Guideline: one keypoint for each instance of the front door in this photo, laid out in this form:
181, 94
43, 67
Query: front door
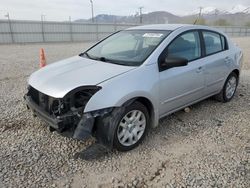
183, 85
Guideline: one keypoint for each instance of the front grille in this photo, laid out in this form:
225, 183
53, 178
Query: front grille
49, 104
40, 99
34, 95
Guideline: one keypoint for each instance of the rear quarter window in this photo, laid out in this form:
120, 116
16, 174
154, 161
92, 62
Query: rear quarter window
224, 43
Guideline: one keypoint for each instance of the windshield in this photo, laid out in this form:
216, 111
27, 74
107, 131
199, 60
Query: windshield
130, 47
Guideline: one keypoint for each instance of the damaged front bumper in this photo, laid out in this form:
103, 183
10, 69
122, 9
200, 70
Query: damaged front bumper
74, 123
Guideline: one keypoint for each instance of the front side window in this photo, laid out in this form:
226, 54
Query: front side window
185, 46
130, 47
213, 43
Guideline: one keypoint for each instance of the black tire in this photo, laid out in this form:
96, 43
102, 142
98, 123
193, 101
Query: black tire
134, 106
108, 134
222, 97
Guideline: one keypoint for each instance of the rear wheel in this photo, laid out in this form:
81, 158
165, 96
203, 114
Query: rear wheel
229, 89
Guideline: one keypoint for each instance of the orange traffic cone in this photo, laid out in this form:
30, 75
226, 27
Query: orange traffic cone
42, 58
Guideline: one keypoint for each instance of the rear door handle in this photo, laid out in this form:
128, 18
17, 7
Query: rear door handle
227, 60
199, 69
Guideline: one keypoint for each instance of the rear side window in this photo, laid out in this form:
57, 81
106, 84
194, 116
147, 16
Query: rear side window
214, 42
186, 46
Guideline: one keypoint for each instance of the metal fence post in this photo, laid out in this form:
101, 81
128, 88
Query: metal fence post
42, 28
97, 32
115, 27
10, 28
11, 32
71, 32
70, 29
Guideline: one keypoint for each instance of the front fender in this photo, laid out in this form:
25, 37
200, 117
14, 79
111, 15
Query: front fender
140, 82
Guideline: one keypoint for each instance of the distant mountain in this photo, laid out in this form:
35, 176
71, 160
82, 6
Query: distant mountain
213, 10
240, 9
209, 11
152, 17
237, 15
160, 17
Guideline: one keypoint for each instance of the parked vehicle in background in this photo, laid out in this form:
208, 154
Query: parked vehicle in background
120, 87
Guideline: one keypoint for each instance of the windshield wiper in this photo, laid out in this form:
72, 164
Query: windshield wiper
86, 55
117, 62
103, 59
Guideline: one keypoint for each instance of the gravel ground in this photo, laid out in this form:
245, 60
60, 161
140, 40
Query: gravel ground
207, 147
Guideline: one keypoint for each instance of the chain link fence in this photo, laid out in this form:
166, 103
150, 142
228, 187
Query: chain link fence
13, 31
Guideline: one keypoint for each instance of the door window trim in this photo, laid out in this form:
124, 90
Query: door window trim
161, 56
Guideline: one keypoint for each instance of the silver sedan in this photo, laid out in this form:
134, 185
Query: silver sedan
120, 87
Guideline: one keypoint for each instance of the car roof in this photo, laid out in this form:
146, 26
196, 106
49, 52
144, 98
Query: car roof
172, 27
169, 27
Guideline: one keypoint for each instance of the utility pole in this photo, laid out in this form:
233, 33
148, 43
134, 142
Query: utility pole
199, 17
10, 27
43, 17
200, 13
140, 11
92, 10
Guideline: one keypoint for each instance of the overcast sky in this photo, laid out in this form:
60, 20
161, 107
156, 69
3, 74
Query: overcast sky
61, 9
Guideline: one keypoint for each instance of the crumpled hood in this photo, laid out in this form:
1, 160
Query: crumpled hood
59, 78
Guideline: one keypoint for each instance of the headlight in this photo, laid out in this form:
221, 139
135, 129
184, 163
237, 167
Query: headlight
80, 96
77, 98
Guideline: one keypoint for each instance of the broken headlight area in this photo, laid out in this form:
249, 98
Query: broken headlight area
64, 114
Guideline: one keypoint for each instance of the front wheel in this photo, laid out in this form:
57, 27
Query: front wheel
132, 127
229, 89
124, 128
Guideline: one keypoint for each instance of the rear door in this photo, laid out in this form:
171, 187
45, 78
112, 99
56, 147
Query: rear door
182, 85
217, 61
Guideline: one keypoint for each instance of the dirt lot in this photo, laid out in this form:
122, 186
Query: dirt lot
208, 147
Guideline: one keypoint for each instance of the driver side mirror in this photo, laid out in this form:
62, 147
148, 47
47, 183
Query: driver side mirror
171, 62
